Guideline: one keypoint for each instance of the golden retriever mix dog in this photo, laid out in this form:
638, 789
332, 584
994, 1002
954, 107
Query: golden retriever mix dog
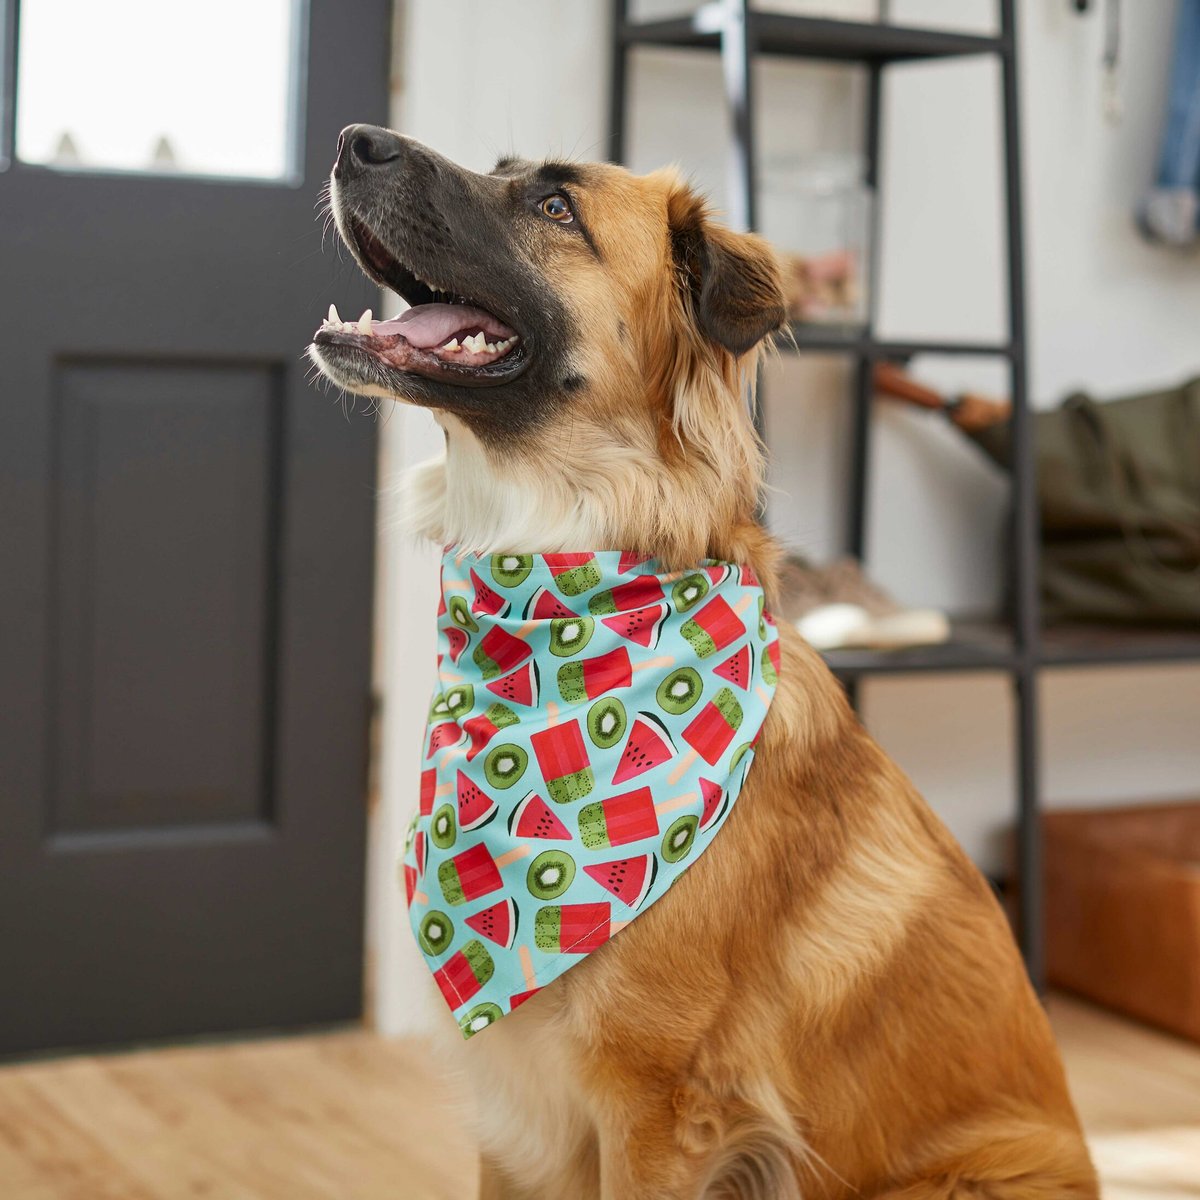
857, 1023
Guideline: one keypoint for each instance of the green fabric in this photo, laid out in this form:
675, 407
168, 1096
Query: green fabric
1119, 496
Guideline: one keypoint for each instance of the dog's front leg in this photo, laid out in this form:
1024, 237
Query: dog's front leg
643, 1157
494, 1184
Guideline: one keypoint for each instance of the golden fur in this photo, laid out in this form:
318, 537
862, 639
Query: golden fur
829, 1002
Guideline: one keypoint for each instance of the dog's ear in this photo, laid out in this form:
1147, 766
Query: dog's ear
735, 285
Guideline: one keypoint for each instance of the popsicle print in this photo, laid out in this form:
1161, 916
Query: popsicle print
563, 760
592, 677
431, 790
715, 625
574, 928
411, 893
465, 973
630, 817
484, 726
710, 733
474, 872
573, 573
637, 593
500, 651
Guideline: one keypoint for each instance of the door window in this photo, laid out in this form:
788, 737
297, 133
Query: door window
160, 87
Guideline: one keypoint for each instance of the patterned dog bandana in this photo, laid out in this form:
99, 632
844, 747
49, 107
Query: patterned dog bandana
593, 725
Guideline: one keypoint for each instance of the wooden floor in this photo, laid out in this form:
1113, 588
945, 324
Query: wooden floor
350, 1117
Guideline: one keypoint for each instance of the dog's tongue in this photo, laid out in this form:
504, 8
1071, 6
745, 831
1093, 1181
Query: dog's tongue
428, 326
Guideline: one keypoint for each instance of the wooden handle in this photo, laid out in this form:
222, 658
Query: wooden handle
891, 380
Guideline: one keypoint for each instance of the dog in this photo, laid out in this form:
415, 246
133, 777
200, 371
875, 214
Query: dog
860, 1023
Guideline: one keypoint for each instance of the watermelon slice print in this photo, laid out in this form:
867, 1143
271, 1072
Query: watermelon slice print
719, 573
516, 1001
543, 605
716, 803
629, 879
522, 686
498, 923
475, 807
532, 818
448, 733
748, 578
739, 669
641, 592
648, 746
627, 562
642, 625
457, 640
486, 600
428, 791
421, 850
410, 883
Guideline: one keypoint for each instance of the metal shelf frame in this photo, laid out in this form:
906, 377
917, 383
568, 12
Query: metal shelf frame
740, 34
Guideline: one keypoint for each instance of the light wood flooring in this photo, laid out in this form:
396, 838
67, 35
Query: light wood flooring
348, 1116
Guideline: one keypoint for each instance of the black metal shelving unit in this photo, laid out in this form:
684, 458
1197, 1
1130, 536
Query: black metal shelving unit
739, 34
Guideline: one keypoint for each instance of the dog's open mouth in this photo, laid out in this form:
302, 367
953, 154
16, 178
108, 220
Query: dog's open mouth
443, 335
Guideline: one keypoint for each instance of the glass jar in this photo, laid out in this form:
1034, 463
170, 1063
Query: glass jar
816, 209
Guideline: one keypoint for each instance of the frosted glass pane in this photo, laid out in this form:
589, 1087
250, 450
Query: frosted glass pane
158, 86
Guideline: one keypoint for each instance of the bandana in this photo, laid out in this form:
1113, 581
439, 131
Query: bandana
592, 727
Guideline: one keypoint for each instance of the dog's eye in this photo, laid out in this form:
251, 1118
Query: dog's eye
557, 208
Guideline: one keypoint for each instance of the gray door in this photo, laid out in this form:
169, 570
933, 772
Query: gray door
185, 526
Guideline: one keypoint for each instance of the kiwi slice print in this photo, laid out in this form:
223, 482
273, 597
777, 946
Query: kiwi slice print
606, 722
480, 1017
460, 614
680, 690
443, 828
689, 591
680, 838
505, 765
569, 635
458, 700
510, 570
550, 874
436, 932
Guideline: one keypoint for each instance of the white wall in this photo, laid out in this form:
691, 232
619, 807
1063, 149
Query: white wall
1107, 312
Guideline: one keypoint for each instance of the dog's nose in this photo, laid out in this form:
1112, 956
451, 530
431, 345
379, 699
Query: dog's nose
363, 147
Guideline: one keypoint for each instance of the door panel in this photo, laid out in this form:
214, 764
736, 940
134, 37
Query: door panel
166, 489
186, 536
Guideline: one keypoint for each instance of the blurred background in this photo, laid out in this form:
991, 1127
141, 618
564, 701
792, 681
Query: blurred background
985, 457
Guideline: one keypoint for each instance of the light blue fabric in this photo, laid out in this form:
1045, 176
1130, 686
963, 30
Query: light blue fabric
1171, 211
592, 727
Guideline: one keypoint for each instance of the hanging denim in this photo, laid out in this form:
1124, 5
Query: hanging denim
1170, 213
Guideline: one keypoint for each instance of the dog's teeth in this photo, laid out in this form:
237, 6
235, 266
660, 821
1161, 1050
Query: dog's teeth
491, 347
333, 318
364, 323
452, 344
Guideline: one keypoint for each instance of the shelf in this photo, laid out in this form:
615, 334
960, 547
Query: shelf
813, 37
1111, 646
808, 338
988, 646
973, 646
